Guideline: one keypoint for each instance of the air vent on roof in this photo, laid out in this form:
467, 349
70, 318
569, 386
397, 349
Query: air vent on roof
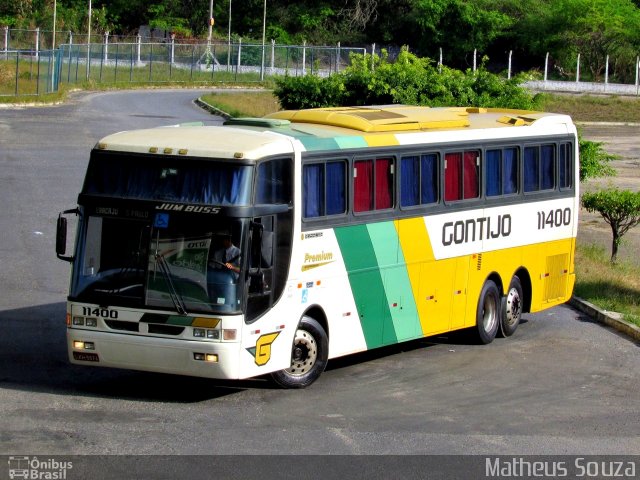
257, 122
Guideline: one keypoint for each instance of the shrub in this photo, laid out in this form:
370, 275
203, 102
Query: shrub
409, 80
619, 208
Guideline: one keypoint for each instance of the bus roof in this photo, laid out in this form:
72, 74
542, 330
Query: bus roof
329, 129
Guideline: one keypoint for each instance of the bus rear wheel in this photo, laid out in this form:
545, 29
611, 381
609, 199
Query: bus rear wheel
512, 308
308, 356
488, 313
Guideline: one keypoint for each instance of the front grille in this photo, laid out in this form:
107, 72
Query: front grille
121, 325
165, 329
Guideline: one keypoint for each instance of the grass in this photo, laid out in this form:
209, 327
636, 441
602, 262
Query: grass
582, 108
244, 104
29, 79
615, 288
591, 108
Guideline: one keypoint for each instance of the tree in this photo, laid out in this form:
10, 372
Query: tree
594, 161
619, 208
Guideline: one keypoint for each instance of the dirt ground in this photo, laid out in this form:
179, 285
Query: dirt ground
622, 140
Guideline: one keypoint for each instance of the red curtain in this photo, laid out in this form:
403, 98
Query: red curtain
471, 189
363, 186
384, 183
452, 174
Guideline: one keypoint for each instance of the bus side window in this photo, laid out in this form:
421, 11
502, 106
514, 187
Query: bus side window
565, 174
274, 182
501, 170
373, 185
548, 174
539, 168
418, 179
324, 189
461, 179
363, 186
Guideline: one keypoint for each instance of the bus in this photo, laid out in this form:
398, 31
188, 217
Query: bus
271, 245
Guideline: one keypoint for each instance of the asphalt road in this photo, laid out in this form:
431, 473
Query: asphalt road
561, 385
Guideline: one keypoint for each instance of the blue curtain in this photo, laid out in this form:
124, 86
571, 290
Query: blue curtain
510, 171
429, 178
336, 188
313, 190
531, 171
565, 165
409, 186
548, 164
214, 184
493, 177
274, 182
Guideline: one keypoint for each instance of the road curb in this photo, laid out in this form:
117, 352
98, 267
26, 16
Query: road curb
210, 108
604, 317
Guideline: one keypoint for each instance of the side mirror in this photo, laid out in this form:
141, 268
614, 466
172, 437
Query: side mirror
61, 236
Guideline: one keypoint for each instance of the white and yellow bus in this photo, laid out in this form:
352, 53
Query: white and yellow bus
272, 245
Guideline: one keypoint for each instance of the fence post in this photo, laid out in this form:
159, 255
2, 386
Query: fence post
173, 49
138, 48
304, 57
373, 53
546, 66
606, 74
338, 58
637, 72
475, 54
273, 55
6, 42
17, 71
440, 62
239, 56
106, 46
578, 70
37, 42
509, 71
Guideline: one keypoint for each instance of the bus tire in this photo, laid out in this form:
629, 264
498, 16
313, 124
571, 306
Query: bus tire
512, 308
488, 313
308, 356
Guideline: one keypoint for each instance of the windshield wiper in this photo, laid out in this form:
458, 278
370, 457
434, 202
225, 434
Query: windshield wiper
176, 298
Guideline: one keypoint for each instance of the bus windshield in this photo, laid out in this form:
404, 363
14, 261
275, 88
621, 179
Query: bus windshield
180, 264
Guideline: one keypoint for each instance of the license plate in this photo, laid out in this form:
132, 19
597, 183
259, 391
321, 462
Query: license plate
86, 357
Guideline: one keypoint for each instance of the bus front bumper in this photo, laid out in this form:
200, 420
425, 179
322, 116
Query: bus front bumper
153, 354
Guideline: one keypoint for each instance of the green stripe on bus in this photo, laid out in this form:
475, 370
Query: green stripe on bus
367, 285
351, 142
179, 320
397, 286
315, 143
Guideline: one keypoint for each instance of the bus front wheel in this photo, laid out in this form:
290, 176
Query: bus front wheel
512, 308
488, 313
308, 356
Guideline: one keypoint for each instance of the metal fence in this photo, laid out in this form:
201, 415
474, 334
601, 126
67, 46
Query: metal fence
25, 73
174, 62
34, 72
31, 70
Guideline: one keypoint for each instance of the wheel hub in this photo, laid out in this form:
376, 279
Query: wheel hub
304, 353
514, 307
300, 352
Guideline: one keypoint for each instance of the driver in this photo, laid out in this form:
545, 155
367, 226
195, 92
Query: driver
228, 255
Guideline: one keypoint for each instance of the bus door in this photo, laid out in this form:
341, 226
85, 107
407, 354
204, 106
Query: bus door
269, 257
459, 292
